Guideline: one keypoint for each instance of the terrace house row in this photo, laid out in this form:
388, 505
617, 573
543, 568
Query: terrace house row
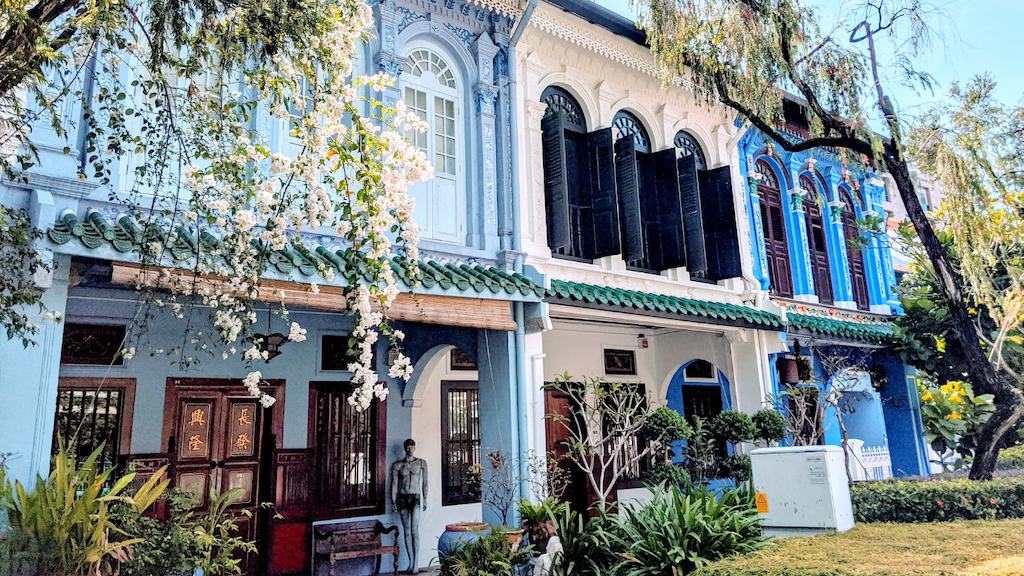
583, 219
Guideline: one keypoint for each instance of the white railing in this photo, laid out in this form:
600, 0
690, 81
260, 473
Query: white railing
869, 462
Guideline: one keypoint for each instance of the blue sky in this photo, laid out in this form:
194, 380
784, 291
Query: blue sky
991, 38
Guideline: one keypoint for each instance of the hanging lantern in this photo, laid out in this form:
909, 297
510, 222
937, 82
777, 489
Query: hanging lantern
270, 343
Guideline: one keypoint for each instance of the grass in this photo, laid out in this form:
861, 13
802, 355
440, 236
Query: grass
963, 548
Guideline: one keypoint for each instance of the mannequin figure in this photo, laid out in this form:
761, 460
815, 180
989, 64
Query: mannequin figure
409, 498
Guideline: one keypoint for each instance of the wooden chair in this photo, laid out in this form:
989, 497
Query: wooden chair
347, 540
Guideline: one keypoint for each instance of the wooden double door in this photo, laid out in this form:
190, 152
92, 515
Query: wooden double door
220, 438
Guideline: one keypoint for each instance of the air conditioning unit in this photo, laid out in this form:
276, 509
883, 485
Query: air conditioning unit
801, 490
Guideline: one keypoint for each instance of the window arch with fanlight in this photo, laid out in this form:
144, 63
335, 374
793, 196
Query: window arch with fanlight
629, 125
689, 146
560, 101
431, 89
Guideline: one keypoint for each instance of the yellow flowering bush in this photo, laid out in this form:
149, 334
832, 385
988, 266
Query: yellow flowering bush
952, 411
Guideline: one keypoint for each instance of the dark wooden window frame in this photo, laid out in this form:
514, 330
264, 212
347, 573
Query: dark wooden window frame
379, 410
700, 362
114, 359
620, 362
124, 427
448, 497
854, 254
776, 249
814, 219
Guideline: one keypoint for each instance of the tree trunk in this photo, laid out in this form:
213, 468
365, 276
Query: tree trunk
984, 376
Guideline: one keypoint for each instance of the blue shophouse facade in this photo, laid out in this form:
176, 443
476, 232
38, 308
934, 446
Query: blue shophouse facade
836, 284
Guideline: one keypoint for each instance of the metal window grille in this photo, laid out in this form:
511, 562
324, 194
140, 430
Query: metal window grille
85, 419
346, 455
460, 420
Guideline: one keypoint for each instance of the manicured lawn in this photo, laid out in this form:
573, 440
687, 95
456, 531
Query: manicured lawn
962, 548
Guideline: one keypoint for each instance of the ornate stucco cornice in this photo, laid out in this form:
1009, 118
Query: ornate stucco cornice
548, 20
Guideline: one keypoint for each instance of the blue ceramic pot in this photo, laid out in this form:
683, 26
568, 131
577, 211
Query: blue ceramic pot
463, 533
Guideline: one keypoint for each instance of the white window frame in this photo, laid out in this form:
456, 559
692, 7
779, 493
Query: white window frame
427, 213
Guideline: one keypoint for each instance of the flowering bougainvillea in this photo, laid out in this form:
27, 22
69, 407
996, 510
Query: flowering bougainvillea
183, 130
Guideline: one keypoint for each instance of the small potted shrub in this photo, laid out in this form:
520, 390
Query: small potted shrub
491, 555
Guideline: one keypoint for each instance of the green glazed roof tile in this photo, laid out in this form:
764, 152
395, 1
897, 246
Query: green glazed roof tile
662, 303
876, 331
126, 236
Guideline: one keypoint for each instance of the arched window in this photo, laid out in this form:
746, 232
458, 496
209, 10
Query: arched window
579, 181
688, 144
773, 223
430, 89
629, 125
858, 276
816, 240
560, 100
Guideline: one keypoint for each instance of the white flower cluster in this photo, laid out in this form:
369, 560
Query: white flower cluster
342, 170
252, 383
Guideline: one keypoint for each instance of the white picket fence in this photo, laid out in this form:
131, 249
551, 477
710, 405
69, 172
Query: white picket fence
869, 462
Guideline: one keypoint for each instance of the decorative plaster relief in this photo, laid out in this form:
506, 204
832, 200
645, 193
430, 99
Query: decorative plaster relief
485, 99
489, 169
408, 17
556, 26
835, 210
796, 199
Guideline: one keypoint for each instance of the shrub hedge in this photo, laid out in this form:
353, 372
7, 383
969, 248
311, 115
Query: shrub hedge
901, 501
1011, 458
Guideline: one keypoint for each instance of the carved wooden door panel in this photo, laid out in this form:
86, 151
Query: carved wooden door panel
215, 431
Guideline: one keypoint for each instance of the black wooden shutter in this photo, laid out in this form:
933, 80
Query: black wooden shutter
556, 182
604, 239
722, 241
666, 245
628, 187
693, 225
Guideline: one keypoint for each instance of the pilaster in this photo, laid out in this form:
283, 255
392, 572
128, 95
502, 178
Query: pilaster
757, 230
28, 384
485, 95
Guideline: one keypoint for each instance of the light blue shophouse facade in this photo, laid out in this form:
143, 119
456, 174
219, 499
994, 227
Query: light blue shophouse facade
451, 59
793, 197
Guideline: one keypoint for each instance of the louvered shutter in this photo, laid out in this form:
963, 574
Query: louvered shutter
693, 225
628, 189
666, 245
604, 206
858, 277
556, 183
721, 239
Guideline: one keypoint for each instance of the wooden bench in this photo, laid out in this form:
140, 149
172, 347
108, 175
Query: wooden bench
347, 540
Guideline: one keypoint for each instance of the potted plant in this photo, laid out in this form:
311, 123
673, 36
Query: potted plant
491, 555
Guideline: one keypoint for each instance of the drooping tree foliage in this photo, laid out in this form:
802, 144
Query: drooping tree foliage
752, 55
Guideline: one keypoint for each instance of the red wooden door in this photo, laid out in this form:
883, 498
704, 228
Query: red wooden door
557, 435
221, 438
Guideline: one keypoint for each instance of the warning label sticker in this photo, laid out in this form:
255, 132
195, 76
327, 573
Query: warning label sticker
762, 502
